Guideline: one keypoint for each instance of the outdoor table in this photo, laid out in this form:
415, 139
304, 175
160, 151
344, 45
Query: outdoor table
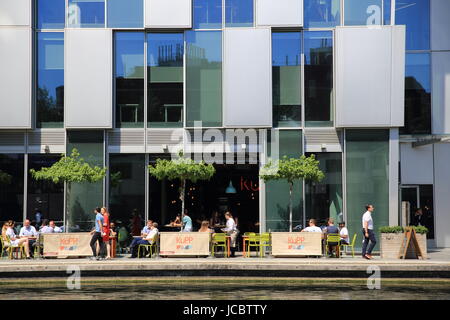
296, 244
113, 246
244, 239
228, 245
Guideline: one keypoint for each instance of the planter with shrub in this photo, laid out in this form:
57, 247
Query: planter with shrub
392, 240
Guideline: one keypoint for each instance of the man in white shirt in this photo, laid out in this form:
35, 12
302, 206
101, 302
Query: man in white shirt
54, 227
368, 234
28, 231
149, 239
312, 227
45, 228
343, 232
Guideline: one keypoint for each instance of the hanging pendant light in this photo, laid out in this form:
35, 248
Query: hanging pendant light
230, 188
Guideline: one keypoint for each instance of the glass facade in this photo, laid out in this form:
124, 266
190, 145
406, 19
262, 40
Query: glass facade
238, 13
11, 187
50, 14
207, 14
286, 79
277, 192
86, 14
165, 79
367, 173
204, 78
417, 94
324, 199
129, 77
46, 196
83, 198
126, 186
125, 13
318, 78
363, 12
322, 13
415, 14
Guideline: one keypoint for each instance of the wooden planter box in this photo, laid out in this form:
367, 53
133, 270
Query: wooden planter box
392, 242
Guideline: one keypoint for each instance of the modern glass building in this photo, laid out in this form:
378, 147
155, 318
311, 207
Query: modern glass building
362, 84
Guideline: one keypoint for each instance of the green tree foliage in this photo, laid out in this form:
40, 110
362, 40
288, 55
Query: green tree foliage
5, 178
183, 169
292, 169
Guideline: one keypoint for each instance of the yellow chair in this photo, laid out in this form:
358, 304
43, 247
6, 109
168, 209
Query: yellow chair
245, 242
351, 245
219, 240
254, 241
38, 247
265, 242
10, 247
4, 247
151, 247
332, 238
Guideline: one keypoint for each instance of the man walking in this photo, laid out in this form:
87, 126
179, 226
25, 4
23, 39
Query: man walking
97, 236
368, 233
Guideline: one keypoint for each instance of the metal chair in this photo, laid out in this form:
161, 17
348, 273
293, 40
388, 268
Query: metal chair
254, 241
351, 245
333, 240
151, 247
265, 242
38, 247
219, 240
11, 247
4, 247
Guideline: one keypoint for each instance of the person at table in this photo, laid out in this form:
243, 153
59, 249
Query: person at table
106, 232
113, 228
331, 229
8, 231
205, 227
186, 222
37, 217
30, 232
312, 227
343, 232
148, 240
145, 231
232, 231
55, 228
136, 223
215, 219
97, 236
45, 228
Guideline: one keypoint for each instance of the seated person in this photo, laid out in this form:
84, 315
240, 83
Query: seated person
205, 227
8, 231
149, 239
186, 222
45, 228
343, 231
28, 231
145, 231
54, 226
312, 227
331, 229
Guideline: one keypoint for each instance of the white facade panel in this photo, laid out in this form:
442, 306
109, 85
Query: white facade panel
15, 12
15, 80
416, 164
440, 24
441, 194
168, 13
247, 78
440, 62
366, 77
88, 78
279, 13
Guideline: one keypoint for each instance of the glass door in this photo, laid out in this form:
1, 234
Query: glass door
410, 201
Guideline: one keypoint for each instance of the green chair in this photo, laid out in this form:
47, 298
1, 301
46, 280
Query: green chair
38, 247
122, 239
219, 240
4, 247
153, 247
19, 248
332, 238
254, 241
265, 242
351, 245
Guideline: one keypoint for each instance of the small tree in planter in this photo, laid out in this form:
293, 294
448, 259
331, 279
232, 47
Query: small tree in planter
183, 169
70, 169
306, 168
392, 238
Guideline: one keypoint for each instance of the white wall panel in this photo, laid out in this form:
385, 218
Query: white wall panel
416, 164
369, 87
168, 13
15, 79
440, 62
247, 87
88, 78
441, 194
279, 13
440, 24
15, 12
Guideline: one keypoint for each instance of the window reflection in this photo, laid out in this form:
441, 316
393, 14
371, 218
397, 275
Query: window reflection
239, 13
125, 13
363, 12
86, 14
50, 14
165, 79
50, 80
129, 75
415, 14
207, 14
286, 79
11, 187
321, 13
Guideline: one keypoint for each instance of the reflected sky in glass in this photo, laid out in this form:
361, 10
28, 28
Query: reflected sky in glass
415, 14
129, 53
207, 14
86, 13
125, 13
50, 14
418, 67
321, 13
239, 13
363, 12
164, 49
286, 49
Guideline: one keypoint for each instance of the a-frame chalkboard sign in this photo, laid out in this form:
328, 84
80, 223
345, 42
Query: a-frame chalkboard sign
410, 239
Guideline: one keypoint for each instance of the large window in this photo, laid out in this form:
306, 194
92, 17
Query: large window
165, 79
286, 79
238, 13
318, 78
207, 14
417, 94
415, 14
11, 187
322, 13
204, 78
363, 12
50, 80
367, 172
86, 14
125, 13
126, 186
129, 76
50, 14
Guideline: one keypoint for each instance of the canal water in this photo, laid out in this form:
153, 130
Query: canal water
237, 289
